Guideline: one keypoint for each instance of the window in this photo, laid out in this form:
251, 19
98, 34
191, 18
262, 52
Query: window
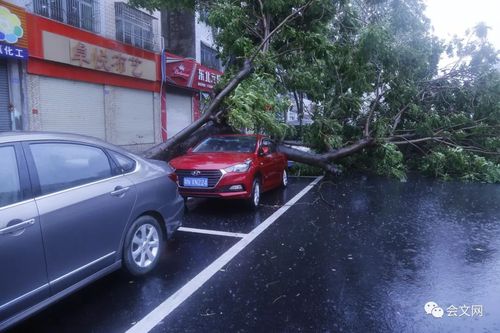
204, 14
205, 100
83, 14
224, 144
125, 164
209, 57
10, 187
134, 27
63, 165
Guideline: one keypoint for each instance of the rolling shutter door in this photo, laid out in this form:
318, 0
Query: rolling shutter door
5, 123
71, 106
179, 113
133, 121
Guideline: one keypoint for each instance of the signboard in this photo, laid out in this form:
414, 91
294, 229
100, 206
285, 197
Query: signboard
190, 74
10, 51
13, 39
77, 53
207, 78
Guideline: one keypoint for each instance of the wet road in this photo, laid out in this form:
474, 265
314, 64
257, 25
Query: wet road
353, 255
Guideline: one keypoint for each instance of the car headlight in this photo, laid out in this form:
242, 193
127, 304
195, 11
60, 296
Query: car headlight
240, 167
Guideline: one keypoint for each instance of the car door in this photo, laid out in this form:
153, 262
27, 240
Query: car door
277, 164
23, 274
267, 165
84, 208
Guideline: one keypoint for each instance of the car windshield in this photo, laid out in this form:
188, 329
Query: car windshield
236, 144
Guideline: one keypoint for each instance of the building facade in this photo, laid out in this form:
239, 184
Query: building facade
192, 67
188, 86
95, 68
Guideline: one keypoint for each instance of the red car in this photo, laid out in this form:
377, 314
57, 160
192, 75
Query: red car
231, 167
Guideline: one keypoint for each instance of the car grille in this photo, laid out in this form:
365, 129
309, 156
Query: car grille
213, 176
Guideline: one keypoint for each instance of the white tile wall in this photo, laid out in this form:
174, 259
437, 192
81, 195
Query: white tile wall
203, 34
108, 26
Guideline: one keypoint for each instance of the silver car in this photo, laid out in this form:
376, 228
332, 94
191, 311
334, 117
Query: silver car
72, 209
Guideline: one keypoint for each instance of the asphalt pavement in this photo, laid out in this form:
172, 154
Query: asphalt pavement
359, 254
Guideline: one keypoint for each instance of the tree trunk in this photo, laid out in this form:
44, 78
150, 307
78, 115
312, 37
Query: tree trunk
210, 128
168, 147
325, 161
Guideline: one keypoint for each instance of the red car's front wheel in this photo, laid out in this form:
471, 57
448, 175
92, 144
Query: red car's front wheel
254, 199
284, 178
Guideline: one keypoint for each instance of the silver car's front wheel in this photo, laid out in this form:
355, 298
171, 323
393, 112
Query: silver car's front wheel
143, 246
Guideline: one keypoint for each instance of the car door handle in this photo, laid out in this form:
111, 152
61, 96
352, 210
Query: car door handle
17, 227
119, 190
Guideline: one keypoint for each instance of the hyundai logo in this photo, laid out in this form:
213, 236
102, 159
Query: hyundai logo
196, 173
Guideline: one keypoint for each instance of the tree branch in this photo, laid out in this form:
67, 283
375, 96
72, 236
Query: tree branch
275, 30
265, 25
406, 141
373, 106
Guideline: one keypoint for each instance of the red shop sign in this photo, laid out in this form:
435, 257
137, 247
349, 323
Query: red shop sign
190, 74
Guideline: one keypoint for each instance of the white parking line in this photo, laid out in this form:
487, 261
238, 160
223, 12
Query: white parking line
170, 304
212, 232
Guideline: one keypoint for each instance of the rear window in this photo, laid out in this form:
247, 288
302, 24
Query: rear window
233, 144
10, 187
125, 164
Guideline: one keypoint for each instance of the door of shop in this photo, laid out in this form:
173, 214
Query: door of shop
179, 112
5, 122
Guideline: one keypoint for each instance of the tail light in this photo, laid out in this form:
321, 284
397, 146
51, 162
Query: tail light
173, 176
171, 173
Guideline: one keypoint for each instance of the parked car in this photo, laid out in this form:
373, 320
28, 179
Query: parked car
73, 209
231, 167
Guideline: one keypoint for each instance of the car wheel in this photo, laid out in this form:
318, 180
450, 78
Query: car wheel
143, 246
254, 200
284, 178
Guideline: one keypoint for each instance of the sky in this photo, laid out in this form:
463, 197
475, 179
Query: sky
453, 17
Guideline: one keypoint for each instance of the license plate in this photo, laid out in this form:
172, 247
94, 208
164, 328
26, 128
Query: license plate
195, 182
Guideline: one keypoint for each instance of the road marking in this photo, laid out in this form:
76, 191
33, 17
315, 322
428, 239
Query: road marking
212, 232
170, 304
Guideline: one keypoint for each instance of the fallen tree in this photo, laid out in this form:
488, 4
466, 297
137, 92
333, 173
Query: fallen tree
372, 69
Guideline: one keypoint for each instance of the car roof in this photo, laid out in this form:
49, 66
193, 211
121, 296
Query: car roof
7, 137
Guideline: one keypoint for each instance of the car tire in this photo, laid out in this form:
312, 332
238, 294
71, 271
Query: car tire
254, 200
143, 246
284, 178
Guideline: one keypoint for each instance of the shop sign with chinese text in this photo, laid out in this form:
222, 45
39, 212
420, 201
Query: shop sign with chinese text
190, 74
77, 53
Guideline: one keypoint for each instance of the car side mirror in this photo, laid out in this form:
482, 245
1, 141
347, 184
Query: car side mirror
263, 151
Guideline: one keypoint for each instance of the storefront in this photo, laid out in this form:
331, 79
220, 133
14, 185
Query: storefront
83, 83
13, 56
188, 85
